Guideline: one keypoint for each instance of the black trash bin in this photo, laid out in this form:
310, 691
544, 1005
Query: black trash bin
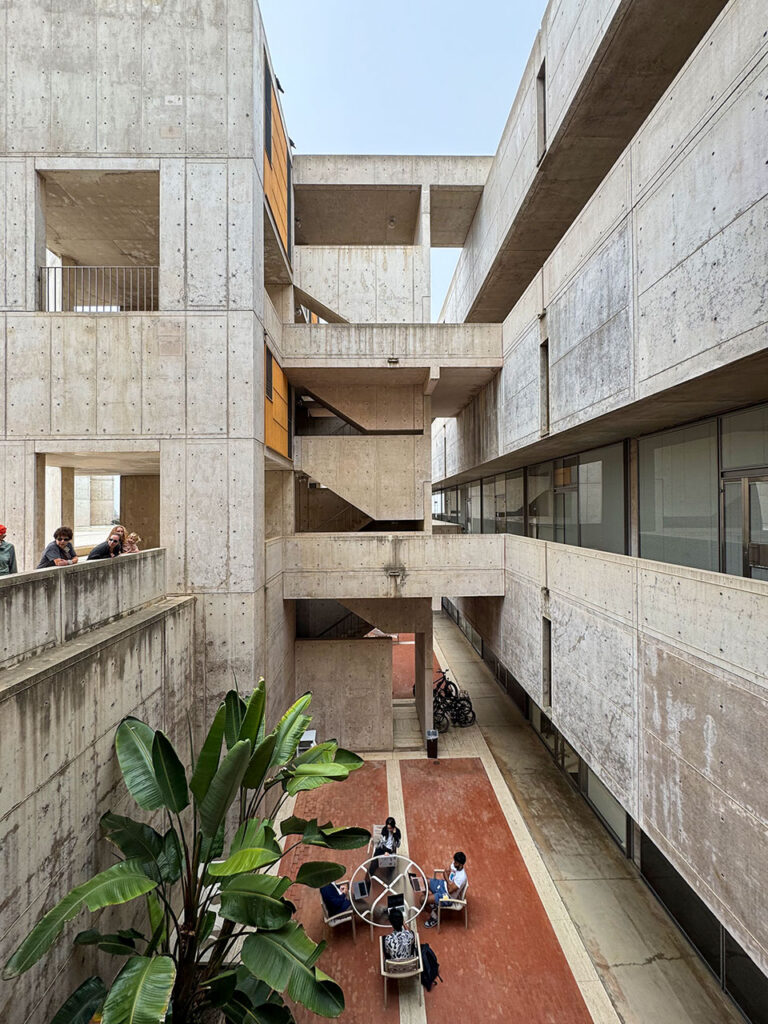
431, 742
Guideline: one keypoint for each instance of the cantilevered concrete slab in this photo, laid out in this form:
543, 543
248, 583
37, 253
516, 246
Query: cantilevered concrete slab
377, 565
453, 361
375, 200
639, 49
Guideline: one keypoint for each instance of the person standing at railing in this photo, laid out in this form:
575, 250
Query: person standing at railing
7, 555
131, 544
60, 551
109, 548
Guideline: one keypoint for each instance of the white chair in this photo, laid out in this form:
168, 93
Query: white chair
342, 917
408, 968
456, 902
375, 839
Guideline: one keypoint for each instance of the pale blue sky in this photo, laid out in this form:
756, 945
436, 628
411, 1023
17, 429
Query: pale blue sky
425, 76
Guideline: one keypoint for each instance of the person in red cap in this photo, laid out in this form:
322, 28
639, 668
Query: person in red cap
7, 555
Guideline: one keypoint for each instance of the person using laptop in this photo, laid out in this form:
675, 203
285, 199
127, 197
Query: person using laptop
447, 887
398, 945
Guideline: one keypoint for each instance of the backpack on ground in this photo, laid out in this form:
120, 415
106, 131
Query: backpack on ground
431, 973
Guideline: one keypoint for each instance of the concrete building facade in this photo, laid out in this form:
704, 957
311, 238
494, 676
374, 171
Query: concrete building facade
574, 459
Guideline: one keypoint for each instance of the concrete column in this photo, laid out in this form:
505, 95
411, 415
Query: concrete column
426, 454
67, 511
38, 526
423, 267
424, 676
633, 497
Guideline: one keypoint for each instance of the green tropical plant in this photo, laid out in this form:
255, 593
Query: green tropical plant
219, 938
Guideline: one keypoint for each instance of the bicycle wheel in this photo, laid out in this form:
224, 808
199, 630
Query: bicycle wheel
441, 721
463, 713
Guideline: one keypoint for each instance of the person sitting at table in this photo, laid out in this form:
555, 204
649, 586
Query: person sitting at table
335, 897
390, 839
398, 945
449, 886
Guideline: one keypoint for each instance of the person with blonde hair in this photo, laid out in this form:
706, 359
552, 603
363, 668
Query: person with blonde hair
131, 544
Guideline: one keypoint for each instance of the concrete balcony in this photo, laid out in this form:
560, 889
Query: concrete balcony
374, 565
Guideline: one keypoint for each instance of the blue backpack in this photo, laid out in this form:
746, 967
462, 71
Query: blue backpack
430, 975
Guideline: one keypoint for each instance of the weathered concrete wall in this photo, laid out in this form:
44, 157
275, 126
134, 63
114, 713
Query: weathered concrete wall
659, 682
140, 507
367, 284
633, 306
50, 607
373, 565
351, 682
382, 476
60, 775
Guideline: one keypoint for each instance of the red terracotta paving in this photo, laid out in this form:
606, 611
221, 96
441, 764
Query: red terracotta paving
509, 965
360, 800
404, 666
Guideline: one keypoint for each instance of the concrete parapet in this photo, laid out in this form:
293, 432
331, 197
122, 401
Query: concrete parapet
372, 565
49, 607
377, 344
60, 774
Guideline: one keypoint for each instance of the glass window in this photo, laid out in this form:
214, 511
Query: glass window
463, 508
745, 982
566, 524
489, 505
602, 511
452, 505
541, 502
500, 496
475, 523
437, 504
608, 807
514, 502
694, 917
679, 496
745, 438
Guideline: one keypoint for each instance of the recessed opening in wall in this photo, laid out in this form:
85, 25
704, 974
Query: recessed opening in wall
546, 664
93, 492
101, 231
541, 112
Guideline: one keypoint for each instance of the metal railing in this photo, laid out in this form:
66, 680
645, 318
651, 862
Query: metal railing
98, 289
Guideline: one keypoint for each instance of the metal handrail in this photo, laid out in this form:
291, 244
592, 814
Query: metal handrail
79, 289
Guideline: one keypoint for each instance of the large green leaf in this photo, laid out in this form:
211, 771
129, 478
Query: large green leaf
243, 860
351, 838
133, 838
120, 883
240, 1010
325, 835
224, 787
256, 833
235, 709
169, 859
84, 1002
319, 872
208, 761
312, 776
285, 959
348, 758
256, 900
133, 743
251, 726
141, 992
169, 772
261, 759
321, 752
114, 944
212, 847
290, 728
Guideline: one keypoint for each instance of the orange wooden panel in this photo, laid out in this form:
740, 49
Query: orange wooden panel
276, 174
276, 411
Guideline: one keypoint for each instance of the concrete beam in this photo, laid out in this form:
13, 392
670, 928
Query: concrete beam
372, 565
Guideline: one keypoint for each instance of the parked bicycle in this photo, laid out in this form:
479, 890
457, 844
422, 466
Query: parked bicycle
450, 705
